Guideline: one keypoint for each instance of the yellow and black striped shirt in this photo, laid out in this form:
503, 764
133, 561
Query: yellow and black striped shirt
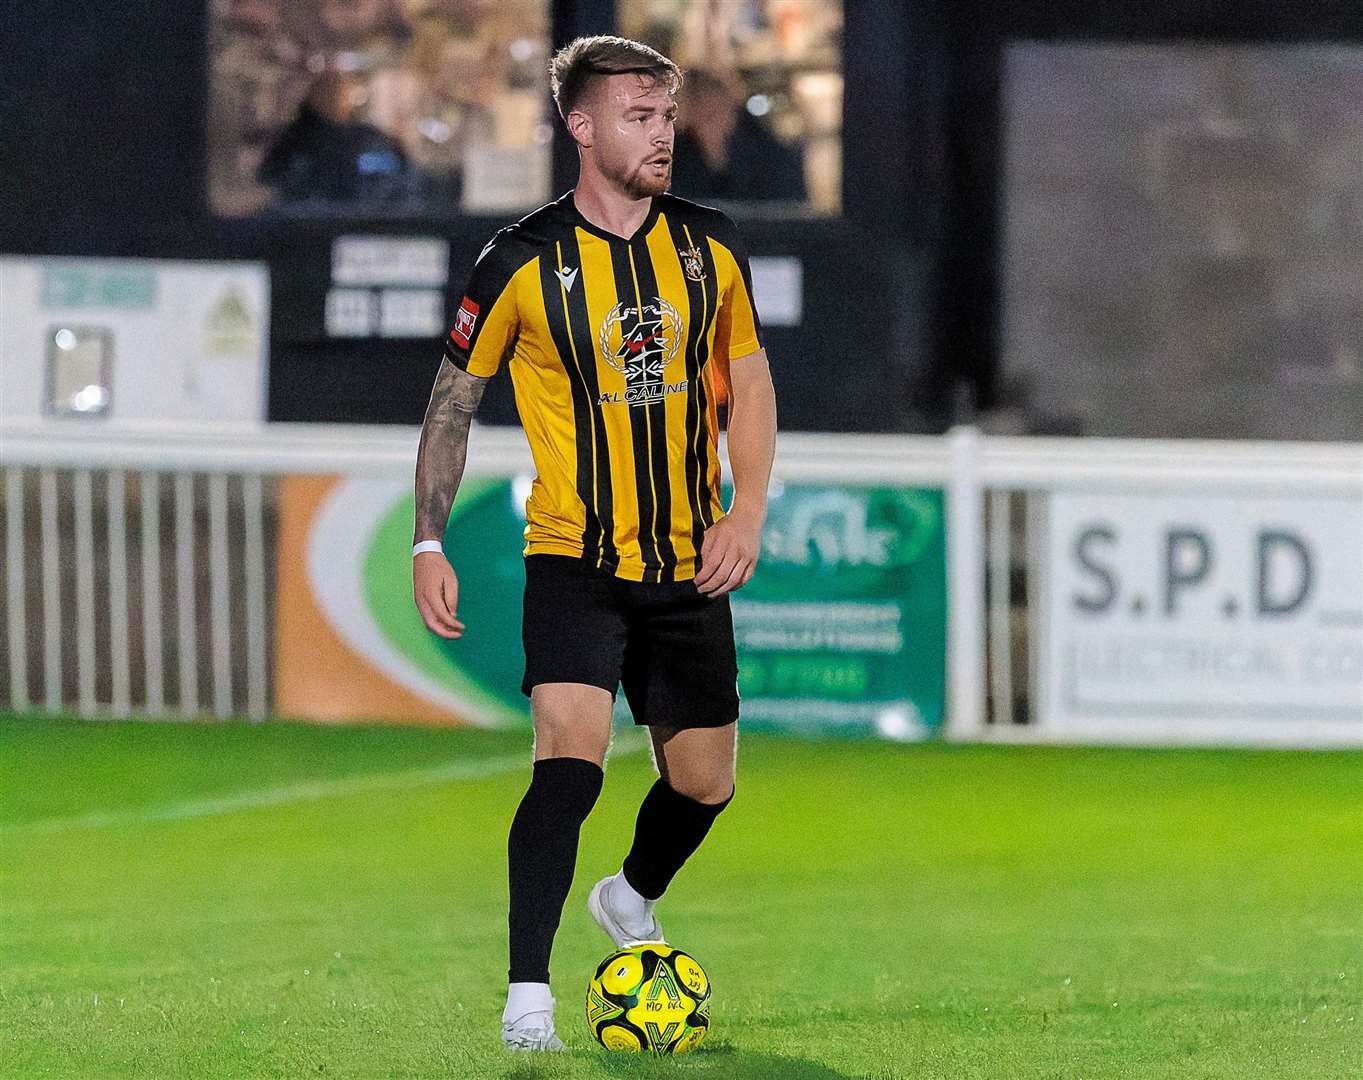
619, 352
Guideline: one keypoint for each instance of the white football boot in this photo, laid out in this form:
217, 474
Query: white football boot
625, 916
533, 1031
528, 1019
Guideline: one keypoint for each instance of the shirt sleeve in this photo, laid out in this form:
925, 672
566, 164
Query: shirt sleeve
487, 319
738, 330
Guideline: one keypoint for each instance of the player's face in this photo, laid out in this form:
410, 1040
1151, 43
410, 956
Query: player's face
633, 125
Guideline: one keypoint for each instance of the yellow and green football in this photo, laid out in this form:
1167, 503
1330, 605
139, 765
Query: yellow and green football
649, 997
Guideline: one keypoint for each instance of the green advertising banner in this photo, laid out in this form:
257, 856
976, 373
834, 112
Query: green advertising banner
843, 627
841, 631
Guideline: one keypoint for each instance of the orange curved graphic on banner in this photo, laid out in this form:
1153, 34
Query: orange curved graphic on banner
318, 676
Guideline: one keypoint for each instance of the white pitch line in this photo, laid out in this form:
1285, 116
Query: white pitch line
309, 791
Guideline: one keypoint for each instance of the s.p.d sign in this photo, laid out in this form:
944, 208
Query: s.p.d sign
1204, 618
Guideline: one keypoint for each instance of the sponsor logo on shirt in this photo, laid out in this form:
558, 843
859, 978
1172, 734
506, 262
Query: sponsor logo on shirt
639, 342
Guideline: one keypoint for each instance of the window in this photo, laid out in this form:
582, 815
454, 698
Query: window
761, 107
378, 105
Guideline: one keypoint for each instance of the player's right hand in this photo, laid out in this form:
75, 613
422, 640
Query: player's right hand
436, 591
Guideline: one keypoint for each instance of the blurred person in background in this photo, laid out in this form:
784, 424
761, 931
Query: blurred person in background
623, 313
326, 153
724, 152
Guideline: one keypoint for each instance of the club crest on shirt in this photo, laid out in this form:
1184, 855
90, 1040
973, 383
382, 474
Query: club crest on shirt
638, 342
692, 263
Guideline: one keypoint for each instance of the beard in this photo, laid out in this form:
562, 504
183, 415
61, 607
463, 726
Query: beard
643, 182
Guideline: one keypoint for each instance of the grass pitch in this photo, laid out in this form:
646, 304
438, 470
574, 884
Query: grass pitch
285, 901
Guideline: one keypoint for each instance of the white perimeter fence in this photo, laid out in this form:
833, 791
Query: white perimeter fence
139, 566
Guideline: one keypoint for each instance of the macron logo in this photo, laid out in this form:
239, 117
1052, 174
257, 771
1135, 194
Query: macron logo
567, 277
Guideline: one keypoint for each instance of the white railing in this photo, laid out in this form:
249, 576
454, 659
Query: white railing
218, 479
101, 618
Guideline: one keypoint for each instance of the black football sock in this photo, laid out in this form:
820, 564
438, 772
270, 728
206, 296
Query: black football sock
541, 852
667, 832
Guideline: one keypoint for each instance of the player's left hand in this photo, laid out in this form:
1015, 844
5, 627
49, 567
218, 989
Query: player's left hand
728, 555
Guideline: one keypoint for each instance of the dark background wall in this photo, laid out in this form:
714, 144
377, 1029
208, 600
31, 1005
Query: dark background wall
102, 146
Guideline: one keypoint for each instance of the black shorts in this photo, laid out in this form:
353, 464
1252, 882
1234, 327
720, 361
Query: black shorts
671, 647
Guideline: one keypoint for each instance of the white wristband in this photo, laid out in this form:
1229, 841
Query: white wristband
427, 545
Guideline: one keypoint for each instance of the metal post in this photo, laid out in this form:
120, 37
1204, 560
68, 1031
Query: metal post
965, 587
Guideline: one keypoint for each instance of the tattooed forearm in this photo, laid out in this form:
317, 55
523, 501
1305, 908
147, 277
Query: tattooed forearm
444, 448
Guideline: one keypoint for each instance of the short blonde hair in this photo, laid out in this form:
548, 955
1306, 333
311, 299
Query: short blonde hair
578, 63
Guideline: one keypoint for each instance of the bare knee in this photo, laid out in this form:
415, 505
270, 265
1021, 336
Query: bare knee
571, 720
709, 790
698, 762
